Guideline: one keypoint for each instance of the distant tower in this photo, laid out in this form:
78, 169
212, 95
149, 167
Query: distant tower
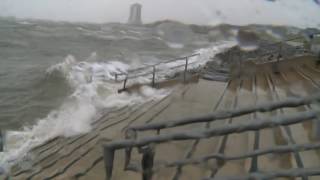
135, 14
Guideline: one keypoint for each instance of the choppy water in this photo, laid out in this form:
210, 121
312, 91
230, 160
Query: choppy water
55, 78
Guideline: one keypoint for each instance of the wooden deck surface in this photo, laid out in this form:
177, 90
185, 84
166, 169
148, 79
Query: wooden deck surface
81, 157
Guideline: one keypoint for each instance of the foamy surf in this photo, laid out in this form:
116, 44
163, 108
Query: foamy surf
165, 70
93, 92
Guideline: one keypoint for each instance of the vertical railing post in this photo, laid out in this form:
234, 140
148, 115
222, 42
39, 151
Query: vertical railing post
185, 70
318, 59
147, 162
275, 66
125, 82
108, 154
310, 42
1, 141
116, 77
316, 129
280, 52
153, 76
129, 134
240, 62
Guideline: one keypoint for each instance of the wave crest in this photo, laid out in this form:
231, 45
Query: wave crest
93, 91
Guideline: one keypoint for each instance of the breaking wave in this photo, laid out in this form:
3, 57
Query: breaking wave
94, 91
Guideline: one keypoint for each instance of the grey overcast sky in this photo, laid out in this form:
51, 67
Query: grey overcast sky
302, 13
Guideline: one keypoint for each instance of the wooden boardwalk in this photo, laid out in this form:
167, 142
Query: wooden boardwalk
81, 157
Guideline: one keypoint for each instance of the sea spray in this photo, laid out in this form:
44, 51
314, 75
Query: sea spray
94, 91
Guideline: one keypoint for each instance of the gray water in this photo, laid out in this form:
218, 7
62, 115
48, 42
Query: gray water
57, 77
28, 48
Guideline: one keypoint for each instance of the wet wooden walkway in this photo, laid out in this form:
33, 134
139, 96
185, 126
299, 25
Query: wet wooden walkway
81, 157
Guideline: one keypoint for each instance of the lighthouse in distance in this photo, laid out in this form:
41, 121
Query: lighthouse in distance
135, 14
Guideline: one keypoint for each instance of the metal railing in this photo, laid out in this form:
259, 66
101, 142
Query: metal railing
127, 76
280, 45
275, 55
146, 146
186, 58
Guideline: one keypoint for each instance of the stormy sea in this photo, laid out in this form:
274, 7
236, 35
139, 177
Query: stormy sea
58, 77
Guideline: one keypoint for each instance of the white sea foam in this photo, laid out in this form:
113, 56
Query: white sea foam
175, 45
94, 90
165, 70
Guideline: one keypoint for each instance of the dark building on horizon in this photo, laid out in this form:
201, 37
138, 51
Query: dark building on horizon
135, 14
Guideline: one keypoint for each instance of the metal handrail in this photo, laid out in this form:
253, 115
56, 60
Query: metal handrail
146, 145
127, 76
292, 39
271, 52
266, 107
163, 62
283, 120
153, 72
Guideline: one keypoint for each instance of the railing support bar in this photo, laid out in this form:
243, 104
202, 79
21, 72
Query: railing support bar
153, 76
125, 83
129, 134
185, 71
240, 62
116, 77
316, 129
318, 59
108, 154
147, 162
